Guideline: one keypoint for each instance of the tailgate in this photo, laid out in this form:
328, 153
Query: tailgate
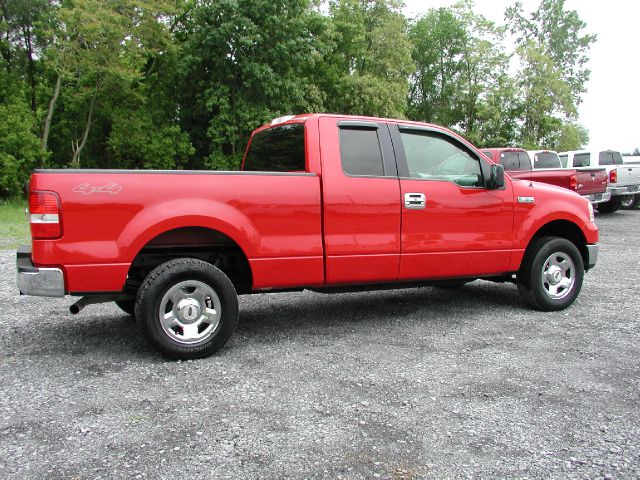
590, 181
628, 175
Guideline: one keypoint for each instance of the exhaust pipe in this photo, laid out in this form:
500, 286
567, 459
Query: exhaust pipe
84, 301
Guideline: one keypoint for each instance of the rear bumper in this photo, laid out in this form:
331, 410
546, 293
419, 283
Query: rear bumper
592, 256
42, 282
599, 197
627, 190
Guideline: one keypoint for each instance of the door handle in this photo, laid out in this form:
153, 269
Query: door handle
414, 201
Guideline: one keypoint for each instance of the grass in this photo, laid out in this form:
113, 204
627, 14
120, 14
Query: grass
14, 228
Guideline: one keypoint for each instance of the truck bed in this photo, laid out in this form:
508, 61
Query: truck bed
109, 215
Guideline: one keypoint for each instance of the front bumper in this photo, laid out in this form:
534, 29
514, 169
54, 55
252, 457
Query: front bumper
592, 256
42, 282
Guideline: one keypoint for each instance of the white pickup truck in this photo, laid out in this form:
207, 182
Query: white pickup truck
624, 179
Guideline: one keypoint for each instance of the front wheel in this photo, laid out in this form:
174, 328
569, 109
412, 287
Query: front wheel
188, 308
551, 274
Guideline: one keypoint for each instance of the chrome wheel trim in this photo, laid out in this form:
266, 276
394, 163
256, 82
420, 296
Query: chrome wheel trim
558, 275
627, 201
190, 312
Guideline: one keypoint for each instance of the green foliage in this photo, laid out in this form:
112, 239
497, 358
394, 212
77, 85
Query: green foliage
371, 58
14, 228
438, 43
245, 63
546, 98
557, 32
461, 80
137, 143
572, 137
170, 84
19, 146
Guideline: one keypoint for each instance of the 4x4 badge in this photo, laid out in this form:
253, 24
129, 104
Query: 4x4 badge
88, 189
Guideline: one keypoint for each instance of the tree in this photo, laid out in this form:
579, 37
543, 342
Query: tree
573, 136
244, 63
545, 97
23, 22
461, 78
484, 70
371, 58
98, 53
558, 33
439, 40
19, 146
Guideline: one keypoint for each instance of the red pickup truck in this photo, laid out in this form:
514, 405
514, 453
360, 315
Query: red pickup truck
325, 202
590, 183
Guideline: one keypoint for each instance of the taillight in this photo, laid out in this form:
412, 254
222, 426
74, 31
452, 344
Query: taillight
573, 182
613, 175
44, 214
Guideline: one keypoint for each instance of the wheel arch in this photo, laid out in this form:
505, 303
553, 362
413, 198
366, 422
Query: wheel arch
192, 241
564, 229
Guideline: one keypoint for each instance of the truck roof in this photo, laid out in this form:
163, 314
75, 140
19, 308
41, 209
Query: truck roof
302, 118
502, 149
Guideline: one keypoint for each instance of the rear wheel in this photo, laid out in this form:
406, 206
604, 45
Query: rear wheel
551, 274
631, 202
188, 308
609, 207
127, 306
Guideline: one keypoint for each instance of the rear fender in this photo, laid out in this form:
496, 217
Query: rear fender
163, 217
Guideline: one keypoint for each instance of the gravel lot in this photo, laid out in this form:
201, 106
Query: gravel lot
418, 383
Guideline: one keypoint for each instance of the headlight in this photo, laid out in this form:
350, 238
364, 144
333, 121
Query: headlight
592, 218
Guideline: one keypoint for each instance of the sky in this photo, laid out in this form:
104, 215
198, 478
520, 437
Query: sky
611, 106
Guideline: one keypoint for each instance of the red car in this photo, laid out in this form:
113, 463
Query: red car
324, 202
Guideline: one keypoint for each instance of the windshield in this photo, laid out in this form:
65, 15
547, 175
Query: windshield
278, 149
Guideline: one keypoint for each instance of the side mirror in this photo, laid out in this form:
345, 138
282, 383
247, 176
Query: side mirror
496, 177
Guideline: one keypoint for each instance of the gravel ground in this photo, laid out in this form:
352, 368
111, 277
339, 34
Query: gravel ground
418, 383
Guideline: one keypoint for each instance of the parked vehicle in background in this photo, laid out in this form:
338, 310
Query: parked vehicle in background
631, 202
624, 180
325, 202
589, 183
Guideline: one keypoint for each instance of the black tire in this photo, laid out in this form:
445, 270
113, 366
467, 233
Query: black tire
609, 207
127, 306
212, 291
631, 202
536, 276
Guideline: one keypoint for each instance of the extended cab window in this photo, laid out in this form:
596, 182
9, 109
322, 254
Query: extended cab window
515, 160
360, 152
278, 149
434, 157
581, 159
546, 160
